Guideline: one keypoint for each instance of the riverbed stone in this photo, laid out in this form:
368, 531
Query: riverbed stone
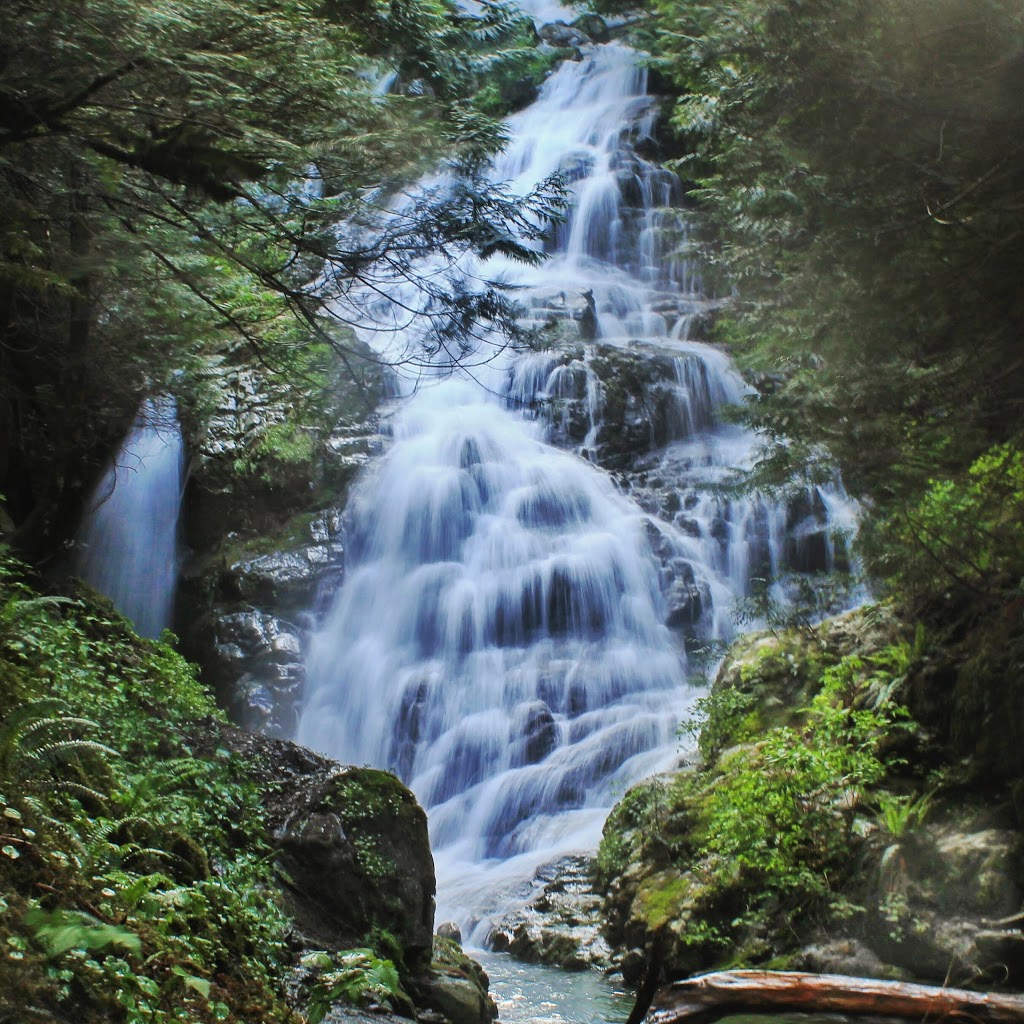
560, 925
455, 987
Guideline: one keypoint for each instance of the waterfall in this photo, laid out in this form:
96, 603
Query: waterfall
127, 545
511, 634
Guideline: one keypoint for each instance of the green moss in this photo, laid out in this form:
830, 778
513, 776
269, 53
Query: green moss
733, 860
291, 533
663, 898
370, 795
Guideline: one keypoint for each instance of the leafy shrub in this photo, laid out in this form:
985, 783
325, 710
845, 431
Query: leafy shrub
966, 531
356, 976
136, 881
778, 820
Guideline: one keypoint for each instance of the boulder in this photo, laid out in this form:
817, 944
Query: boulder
534, 733
563, 36
455, 986
593, 26
450, 930
351, 846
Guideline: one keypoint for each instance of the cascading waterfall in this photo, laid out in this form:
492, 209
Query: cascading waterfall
500, 640
127, 546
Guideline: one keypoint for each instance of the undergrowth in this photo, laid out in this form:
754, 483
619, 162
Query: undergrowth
135, 881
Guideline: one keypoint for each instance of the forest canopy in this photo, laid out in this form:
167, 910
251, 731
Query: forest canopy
172, 178
858, 167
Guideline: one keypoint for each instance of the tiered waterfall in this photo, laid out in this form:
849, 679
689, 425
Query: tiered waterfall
511, 637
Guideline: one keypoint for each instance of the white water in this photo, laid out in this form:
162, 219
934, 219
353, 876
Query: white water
127, 546
500, 638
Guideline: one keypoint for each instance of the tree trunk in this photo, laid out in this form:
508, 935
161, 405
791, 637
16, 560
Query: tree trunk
711, 996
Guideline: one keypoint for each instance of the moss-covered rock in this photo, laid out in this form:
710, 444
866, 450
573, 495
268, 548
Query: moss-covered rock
840, 852
352, 849
455, 986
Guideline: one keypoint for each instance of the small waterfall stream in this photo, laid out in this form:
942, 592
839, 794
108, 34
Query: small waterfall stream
127, 546
502, 639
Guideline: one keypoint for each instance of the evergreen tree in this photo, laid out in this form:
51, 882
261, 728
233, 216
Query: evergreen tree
174, 173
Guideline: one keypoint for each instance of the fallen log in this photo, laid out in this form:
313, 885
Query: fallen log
709, 997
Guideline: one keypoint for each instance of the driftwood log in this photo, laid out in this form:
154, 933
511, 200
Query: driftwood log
712, 996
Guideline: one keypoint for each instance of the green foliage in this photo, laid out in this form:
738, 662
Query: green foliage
900, 815
856, 161
356, 976
135, 875
172, 185
721, 718
780, 816
59, 931
968, 530
743, 855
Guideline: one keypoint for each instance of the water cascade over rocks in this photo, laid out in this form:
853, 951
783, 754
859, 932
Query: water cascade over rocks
127, 546
511, 637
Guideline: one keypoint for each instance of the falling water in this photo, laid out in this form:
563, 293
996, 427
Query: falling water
500, 640
127, 544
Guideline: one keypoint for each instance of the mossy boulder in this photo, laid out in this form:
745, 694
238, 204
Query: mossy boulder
352, 849
845, 863
455, 986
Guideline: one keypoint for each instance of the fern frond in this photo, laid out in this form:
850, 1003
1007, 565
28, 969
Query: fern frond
61, 751
77, 789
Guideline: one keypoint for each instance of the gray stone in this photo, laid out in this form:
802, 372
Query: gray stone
593, 26
351, 846
450, 930
534, 733
460, 1000
563, 36
561, 924
841, 956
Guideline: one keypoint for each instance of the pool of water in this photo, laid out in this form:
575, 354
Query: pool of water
535, 994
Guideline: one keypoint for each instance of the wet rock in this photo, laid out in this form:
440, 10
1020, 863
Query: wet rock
247, 618
563, 36
458, 1000
534, 733
455, 986
593, 26
262, 518
450, 930
560, 924
686, 597
351, 845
